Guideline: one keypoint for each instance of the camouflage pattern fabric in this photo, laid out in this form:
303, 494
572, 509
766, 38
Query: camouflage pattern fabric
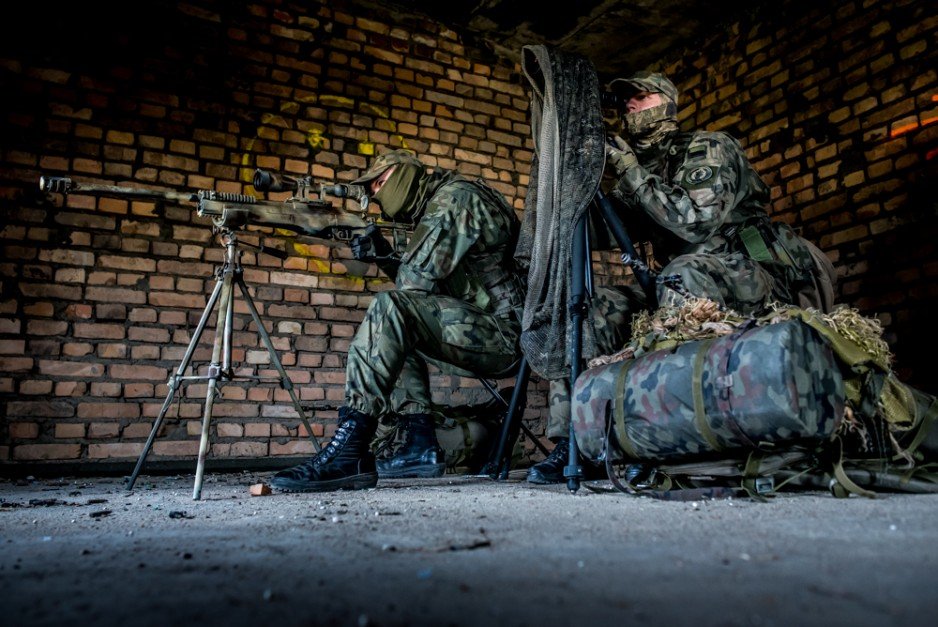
457, 301
755, 390
611, 311
708, 203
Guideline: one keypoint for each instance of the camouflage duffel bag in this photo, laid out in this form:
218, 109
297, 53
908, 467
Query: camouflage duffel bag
762, 388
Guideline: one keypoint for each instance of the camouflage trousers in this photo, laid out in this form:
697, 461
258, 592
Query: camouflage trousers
611, 311
403, 331
733, 280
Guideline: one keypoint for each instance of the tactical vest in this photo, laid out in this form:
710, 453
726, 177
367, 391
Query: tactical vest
747, 228
487, 277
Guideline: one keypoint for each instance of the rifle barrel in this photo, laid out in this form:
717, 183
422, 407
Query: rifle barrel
65, 185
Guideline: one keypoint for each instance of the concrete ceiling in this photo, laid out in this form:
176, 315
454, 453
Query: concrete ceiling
618, 36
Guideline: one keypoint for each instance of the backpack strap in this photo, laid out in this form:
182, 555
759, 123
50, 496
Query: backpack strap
619, 415
700, 410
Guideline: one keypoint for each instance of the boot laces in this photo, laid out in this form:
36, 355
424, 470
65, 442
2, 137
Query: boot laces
561, 450
331, 450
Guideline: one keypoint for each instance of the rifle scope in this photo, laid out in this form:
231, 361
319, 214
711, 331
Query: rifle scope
267, 181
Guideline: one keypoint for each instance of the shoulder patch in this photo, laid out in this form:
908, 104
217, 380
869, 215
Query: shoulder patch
701, 176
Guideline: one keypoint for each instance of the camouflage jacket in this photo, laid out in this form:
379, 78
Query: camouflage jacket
463, 245
695, 186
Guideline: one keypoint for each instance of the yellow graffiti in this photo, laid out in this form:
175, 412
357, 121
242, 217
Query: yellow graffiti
379, 111
320, 266
342, 101
315, 138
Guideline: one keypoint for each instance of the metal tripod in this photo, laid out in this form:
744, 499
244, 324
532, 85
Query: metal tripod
581, 283
220, 369
581, 288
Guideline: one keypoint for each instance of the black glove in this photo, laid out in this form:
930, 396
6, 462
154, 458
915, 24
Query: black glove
369, 246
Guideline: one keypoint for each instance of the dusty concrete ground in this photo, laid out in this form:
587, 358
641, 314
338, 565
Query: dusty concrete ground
456, 551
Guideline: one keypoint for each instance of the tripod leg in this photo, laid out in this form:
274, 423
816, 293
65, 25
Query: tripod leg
174, 383
499, 466
494, 392
285, 381
222, 329
579, 279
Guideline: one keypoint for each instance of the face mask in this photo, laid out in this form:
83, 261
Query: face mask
400, 190
651, 125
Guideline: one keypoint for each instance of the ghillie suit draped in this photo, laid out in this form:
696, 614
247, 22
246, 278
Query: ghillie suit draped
569, 157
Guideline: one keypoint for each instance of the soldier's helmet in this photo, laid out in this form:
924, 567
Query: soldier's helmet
385, 161
645, 81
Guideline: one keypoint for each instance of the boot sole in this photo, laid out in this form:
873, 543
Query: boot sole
417, 472
539, 479
355, 482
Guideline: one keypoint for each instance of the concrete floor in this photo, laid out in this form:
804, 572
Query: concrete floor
455, 551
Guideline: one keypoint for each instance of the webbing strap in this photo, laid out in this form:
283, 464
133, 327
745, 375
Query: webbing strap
754, 244
923, 428
846, 482
751, 474
618, 412
700, 411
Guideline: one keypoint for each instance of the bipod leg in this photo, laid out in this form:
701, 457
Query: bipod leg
174, 382
215, 371
285, 381
580, 283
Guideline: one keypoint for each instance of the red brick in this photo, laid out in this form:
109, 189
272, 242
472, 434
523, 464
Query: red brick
176, 448
69, 430
115, 450
24, 430
35, 387
99, 430
149, 373
41, 409
15, 364
108, 410
37, 452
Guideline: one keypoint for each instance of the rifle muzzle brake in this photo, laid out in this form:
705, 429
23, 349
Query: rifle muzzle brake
55, 184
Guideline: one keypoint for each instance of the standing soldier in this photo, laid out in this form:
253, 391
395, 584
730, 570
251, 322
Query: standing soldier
700, 202
457, 300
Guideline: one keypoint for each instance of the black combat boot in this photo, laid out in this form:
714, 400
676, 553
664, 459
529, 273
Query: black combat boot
346, 463
551, 469
420, 455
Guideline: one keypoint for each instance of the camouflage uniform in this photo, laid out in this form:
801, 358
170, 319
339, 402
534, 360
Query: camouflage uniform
700, 189
612, 311
457, 301
698, 199
706, 206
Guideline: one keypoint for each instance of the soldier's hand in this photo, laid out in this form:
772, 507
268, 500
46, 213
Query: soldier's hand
369, 246
619, 155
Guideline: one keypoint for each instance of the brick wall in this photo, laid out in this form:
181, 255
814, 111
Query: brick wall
836, 107
100, 297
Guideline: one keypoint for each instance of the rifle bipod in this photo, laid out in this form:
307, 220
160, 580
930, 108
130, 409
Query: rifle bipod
220, 369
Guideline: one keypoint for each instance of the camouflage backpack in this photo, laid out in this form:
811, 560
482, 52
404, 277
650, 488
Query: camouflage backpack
795, 396
466, 433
